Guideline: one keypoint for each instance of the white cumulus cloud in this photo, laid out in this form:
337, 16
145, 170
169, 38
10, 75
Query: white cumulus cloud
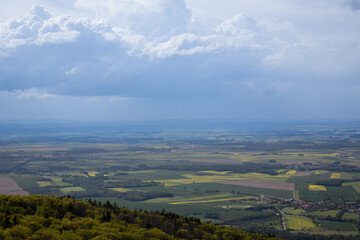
34, 93
158, 50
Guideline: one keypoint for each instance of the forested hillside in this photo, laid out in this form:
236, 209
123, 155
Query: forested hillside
41, 217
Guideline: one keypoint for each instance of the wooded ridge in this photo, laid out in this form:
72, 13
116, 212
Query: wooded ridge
42, 217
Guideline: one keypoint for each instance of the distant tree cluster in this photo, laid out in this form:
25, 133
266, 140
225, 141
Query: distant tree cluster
41, 217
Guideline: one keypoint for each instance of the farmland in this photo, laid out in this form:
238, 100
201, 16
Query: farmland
337, 226
355, 185
300, 223
9, 187
313, 187
67, 190
263, 184
241, 177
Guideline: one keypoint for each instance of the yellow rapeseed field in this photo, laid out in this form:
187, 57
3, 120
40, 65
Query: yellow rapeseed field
335, 175
120, 189
317, 188
291, 172
216, 172
92, 173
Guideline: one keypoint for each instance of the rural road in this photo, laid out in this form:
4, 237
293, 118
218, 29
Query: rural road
283, 219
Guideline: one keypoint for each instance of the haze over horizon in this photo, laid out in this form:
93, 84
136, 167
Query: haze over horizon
151, 60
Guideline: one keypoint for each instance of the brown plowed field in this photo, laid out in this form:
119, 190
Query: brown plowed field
9, 187
263, 184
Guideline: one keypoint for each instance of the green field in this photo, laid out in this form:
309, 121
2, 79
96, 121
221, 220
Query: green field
26, 181
292, 211
313, 187
350, 216
300, 223
58, 181
307, 189
194, 178
205, 174
44, 183
324, 214
337, 226
252, 191
120, 189
355, 185
67, 190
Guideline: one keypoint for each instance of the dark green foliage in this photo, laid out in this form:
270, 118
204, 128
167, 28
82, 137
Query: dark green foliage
236, 221
212, 215
40, 217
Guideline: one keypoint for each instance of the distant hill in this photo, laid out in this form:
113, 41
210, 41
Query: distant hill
46, 218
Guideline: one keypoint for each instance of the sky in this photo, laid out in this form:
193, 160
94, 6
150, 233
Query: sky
112, 60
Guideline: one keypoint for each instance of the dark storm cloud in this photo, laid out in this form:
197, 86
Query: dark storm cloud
353, 4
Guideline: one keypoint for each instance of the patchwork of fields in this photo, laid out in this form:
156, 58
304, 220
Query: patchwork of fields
229, 178
223, 178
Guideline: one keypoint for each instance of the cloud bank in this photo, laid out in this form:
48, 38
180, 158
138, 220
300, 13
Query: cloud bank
159, 52
66, 54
